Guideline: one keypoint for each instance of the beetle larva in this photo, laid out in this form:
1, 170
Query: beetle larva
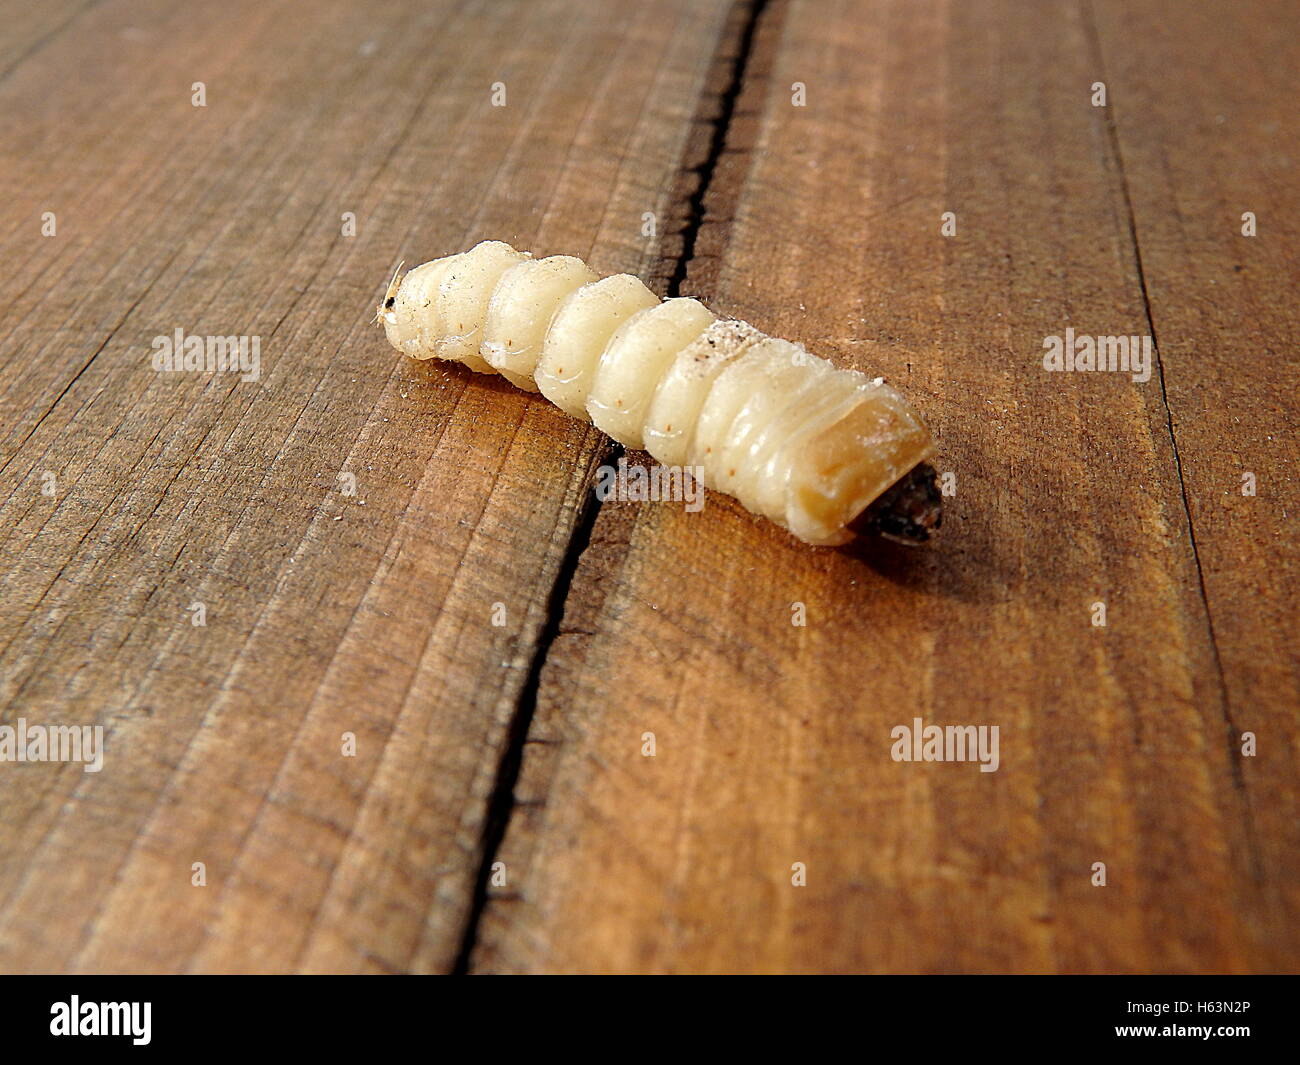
821, 451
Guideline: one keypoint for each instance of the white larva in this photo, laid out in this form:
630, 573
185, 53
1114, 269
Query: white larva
788, 434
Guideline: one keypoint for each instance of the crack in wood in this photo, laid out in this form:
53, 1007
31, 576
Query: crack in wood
732, 62
1234, 733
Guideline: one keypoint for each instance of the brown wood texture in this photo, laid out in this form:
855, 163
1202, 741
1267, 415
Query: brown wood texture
325, 614
1119, 744
499, 814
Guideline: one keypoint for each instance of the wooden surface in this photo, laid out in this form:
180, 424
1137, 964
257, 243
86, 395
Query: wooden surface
499, 814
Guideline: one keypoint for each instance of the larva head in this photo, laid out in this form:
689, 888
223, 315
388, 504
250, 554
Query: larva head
409, 311
390, 297
437, 309
386, 312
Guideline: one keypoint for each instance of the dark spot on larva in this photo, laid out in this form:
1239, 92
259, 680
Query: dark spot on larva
388, 303
559, 369
668, 428
731, 473
618, 402
708, 451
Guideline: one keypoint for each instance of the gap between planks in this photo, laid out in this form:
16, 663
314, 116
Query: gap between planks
692, 200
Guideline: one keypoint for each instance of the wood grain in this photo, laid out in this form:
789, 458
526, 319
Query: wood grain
1223, 306
325, 613
499, 814
1117, 744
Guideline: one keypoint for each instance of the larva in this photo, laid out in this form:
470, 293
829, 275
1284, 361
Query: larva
821, 451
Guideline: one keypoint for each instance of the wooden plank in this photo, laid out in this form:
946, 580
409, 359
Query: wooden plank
1199, 151
773, 741
325, 613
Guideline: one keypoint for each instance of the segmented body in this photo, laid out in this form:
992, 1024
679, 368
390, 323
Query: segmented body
787, 433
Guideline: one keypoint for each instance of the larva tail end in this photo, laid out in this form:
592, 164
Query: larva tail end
909, 512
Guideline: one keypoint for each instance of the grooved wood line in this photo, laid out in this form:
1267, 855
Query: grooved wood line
375, 666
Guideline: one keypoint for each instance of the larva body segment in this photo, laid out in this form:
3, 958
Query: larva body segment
579, 334
820, 391
635, 361
526, 298
745, 399
675, 408
791, 436
463, 294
